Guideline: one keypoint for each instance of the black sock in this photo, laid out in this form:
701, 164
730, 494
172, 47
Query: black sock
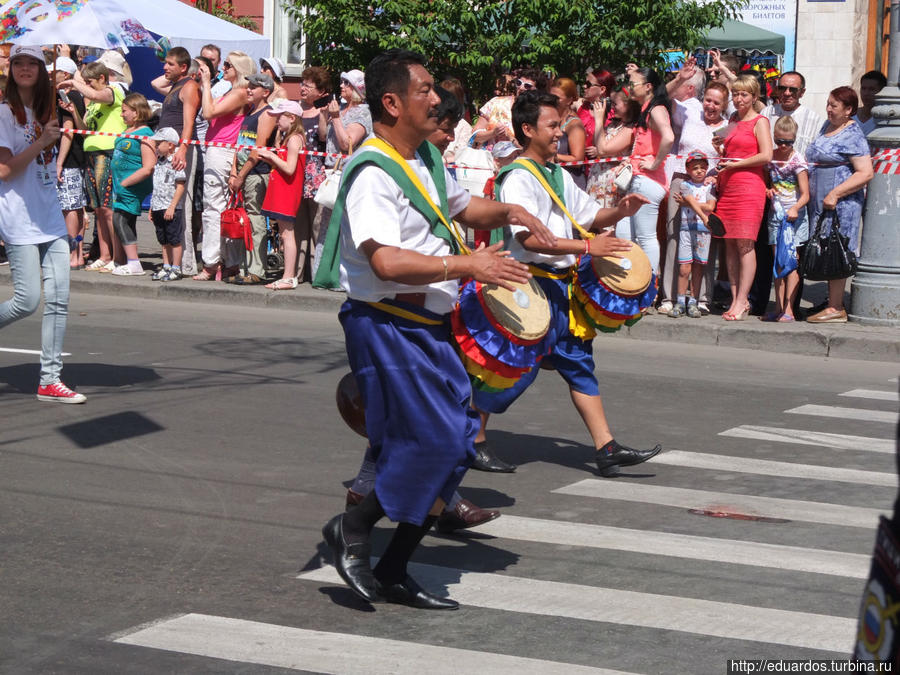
391, 569
609, 448
359, 521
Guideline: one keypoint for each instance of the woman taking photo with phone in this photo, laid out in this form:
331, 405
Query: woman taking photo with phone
653, 138
31, 221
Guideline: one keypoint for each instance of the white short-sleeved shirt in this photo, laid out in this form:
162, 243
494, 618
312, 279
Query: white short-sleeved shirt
29, 205
808, 124
696, 135
520, 187
377, 209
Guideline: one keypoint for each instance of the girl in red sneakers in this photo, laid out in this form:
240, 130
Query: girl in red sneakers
31, 222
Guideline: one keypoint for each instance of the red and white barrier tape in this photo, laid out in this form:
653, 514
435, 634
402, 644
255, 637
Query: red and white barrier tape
205, 144
886, 160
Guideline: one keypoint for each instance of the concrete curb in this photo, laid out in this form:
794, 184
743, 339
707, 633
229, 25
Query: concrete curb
845, 341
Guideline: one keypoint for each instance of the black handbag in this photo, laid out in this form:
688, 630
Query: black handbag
828, 256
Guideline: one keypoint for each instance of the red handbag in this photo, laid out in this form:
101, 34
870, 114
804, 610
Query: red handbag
235, 221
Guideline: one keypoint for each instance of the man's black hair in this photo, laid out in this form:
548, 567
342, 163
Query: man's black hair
794, 72
449, 108
527, 109
876, 76
389, 73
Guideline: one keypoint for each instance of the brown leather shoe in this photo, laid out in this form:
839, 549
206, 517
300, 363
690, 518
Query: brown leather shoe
464, 516
828, 315
353, 499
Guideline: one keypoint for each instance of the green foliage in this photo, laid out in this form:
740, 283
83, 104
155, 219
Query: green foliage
477, 42
224, 9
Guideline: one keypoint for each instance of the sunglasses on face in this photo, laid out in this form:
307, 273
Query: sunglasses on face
789, 90
783, 141
587, 84
522, 84
346, 82
227, 65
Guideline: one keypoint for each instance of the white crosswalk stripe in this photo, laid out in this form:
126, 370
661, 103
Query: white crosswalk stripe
846, 413
774, 624
765, 467
37, 352
648, 610
767, 507
873, 394
817, 438
339, 653
679, 545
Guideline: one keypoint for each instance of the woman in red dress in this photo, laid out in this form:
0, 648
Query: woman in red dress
742, 189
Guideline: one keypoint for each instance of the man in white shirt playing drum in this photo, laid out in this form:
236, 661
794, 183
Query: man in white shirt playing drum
536, 124
398, 259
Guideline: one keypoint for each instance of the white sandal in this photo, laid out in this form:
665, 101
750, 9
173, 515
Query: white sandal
98, 264
288, 284
126, 271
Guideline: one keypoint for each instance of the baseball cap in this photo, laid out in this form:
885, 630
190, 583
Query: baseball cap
166, 134
276, 64
285, 106
65, 64
696, 156
34, 52
261, 80
503, 149
357, 80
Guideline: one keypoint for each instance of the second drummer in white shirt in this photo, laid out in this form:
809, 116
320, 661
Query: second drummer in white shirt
536, 125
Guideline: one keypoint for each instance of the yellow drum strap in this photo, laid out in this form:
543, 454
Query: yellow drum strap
389, 150
405, 314
534, 171
560, 276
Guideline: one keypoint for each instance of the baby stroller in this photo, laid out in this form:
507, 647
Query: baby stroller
274, 254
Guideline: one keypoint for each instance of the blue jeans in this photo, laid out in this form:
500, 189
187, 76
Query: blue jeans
641, 227
29, 264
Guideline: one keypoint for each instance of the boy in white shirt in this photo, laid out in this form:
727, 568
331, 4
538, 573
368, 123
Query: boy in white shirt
694, 237
166, 210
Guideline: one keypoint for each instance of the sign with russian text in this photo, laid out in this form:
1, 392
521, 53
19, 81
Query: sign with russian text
778, 16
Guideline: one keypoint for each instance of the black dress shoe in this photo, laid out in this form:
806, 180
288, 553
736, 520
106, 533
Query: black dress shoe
409, 593
464, 516
485, 461
609, 462
351, 560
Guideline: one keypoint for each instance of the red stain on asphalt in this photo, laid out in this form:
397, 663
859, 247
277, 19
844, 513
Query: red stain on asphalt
726, 512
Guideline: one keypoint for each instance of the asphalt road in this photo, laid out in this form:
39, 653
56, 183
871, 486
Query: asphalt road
195, 481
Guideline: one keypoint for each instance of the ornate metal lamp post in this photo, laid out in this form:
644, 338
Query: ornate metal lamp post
875, 291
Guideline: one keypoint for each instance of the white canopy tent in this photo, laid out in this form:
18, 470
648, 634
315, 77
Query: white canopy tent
191, 28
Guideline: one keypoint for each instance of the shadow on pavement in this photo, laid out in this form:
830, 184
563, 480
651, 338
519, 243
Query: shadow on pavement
524, 449
324, 354
474, 555
24, 376
109, 429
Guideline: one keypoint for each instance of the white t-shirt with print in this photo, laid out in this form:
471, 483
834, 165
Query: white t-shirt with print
520, 187
29, 205
377, 209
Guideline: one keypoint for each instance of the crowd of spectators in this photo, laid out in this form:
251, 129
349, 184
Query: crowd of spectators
769, 159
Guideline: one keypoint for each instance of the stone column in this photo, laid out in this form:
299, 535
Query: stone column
875, 290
